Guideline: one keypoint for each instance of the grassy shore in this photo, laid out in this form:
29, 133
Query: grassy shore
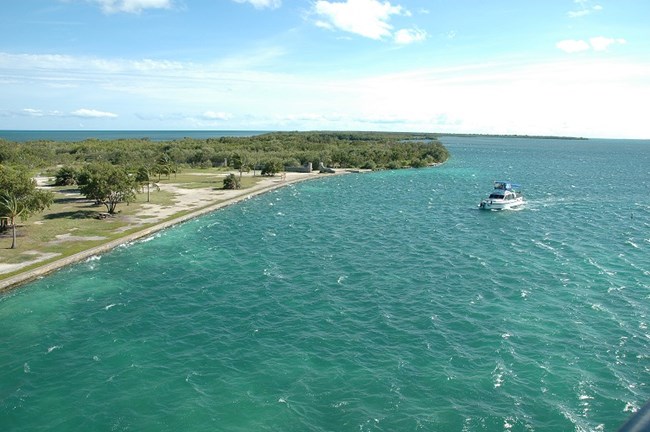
71, 230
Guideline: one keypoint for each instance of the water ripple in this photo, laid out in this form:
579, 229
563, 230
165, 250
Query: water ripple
370, 302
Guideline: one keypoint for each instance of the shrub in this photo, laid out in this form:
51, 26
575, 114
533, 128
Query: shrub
271, 168
231, 182
418, 163
66, 176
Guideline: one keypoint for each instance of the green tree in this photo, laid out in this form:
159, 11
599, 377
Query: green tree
143, 178
335, 149
19, 196
272, 167
418, 163
165, 166
231, 182
66, 176
13, 207
109, 185
243, 162
84, 178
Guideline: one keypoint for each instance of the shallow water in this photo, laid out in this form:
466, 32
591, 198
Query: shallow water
383, 301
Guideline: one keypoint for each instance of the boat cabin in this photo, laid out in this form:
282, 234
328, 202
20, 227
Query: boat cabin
505, 190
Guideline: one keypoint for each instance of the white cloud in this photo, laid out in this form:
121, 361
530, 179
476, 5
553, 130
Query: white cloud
599, 43
473, 98
33, 112
572, 45
83, 112
584, 9
408, 36
91, 113
147, 65
368, 18
510, 98
61, 63
261, 4
212, 115
578, 13
132, 6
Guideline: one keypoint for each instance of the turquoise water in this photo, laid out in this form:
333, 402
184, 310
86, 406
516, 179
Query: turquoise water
370, 302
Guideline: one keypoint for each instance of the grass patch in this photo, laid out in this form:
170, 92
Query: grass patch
207, 178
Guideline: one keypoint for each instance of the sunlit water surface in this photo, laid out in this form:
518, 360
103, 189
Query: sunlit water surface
368, 302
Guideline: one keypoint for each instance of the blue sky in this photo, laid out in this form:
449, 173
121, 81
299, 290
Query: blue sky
551, 67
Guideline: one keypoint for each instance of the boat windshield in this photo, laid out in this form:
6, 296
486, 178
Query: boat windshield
505, 185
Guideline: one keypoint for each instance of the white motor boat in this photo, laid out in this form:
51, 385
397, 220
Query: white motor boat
505, 196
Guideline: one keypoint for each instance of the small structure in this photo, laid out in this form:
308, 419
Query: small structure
323, 169
306, 168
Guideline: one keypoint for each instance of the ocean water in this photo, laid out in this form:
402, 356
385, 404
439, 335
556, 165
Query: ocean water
368, 302
153, 135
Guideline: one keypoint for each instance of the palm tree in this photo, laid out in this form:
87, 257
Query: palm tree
14, 208
165, 165
143, 177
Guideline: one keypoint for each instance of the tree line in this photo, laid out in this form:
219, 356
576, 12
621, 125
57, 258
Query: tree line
372, 150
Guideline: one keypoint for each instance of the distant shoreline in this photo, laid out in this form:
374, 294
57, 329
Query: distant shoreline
22, 278
151, 135
24, 135
553, 137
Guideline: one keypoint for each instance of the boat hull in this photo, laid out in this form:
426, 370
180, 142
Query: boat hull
498, 204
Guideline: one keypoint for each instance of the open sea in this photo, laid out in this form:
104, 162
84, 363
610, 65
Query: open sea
153, 135
367, 302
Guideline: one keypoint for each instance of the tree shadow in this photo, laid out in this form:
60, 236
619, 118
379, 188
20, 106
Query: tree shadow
75, 191
69, 200
79, 214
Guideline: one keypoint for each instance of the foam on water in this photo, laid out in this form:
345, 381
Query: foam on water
382, 301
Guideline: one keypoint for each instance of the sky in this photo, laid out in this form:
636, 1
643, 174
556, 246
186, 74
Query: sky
530, 67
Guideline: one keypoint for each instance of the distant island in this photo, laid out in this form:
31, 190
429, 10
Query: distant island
512, 136
367, 150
